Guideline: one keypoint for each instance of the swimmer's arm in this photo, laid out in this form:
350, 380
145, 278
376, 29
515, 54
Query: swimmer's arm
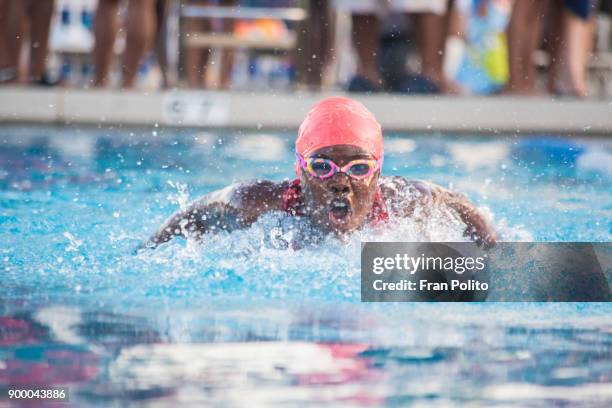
234, 207
478, 228
422, 196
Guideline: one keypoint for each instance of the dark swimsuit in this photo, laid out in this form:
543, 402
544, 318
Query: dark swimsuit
582, 8
292, 203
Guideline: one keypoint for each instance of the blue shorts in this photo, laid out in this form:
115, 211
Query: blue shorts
582, 8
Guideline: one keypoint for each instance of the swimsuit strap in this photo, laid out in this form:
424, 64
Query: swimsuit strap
292, 203
292, 198
378, 213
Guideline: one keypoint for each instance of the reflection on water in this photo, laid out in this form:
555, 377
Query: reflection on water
350, 356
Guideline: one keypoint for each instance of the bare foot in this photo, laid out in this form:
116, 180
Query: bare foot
571, 91
8, 76
516, 90
445, 86
565, 85
450, 87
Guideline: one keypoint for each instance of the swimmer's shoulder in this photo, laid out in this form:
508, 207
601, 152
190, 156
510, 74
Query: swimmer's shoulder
403, 196
248, 198
259, 195
393, 187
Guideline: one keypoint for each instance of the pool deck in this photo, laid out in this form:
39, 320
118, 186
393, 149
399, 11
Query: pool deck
269, 110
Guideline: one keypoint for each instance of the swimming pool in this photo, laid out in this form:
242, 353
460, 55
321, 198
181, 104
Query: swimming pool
240, 319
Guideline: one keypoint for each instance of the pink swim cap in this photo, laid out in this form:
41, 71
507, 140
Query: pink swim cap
339, 121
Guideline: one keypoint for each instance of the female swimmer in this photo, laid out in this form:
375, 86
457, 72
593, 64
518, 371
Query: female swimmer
339, 155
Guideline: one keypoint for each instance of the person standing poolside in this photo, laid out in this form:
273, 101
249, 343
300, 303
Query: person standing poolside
30, 19
197, 59
572, 35
430, 18
572, 47
339, 156
144, 19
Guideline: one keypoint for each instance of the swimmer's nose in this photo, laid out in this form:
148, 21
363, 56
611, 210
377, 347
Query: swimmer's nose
340, 190
339, 184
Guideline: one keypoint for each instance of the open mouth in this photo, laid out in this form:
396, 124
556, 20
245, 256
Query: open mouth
339, 211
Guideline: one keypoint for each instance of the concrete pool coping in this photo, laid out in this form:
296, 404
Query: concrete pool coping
284, 110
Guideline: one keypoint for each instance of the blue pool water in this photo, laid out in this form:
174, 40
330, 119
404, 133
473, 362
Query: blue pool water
238, 319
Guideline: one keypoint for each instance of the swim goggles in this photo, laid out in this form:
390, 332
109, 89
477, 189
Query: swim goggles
324, 168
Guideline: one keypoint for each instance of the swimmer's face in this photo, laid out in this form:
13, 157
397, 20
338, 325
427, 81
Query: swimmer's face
339, 203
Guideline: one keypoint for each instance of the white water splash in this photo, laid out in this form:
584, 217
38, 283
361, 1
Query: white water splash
74, 244
181, 196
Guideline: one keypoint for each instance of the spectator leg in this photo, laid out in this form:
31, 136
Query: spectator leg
105, 30
5, 43
365, 40
431, 36
555, 48
40, 12
524, 31
315, 44
161, 51
140, 30
196, 59
16, 30
579, 44
227, 54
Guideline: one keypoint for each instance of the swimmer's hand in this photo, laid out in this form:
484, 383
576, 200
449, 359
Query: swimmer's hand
197, 219
234, 207
478, 228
